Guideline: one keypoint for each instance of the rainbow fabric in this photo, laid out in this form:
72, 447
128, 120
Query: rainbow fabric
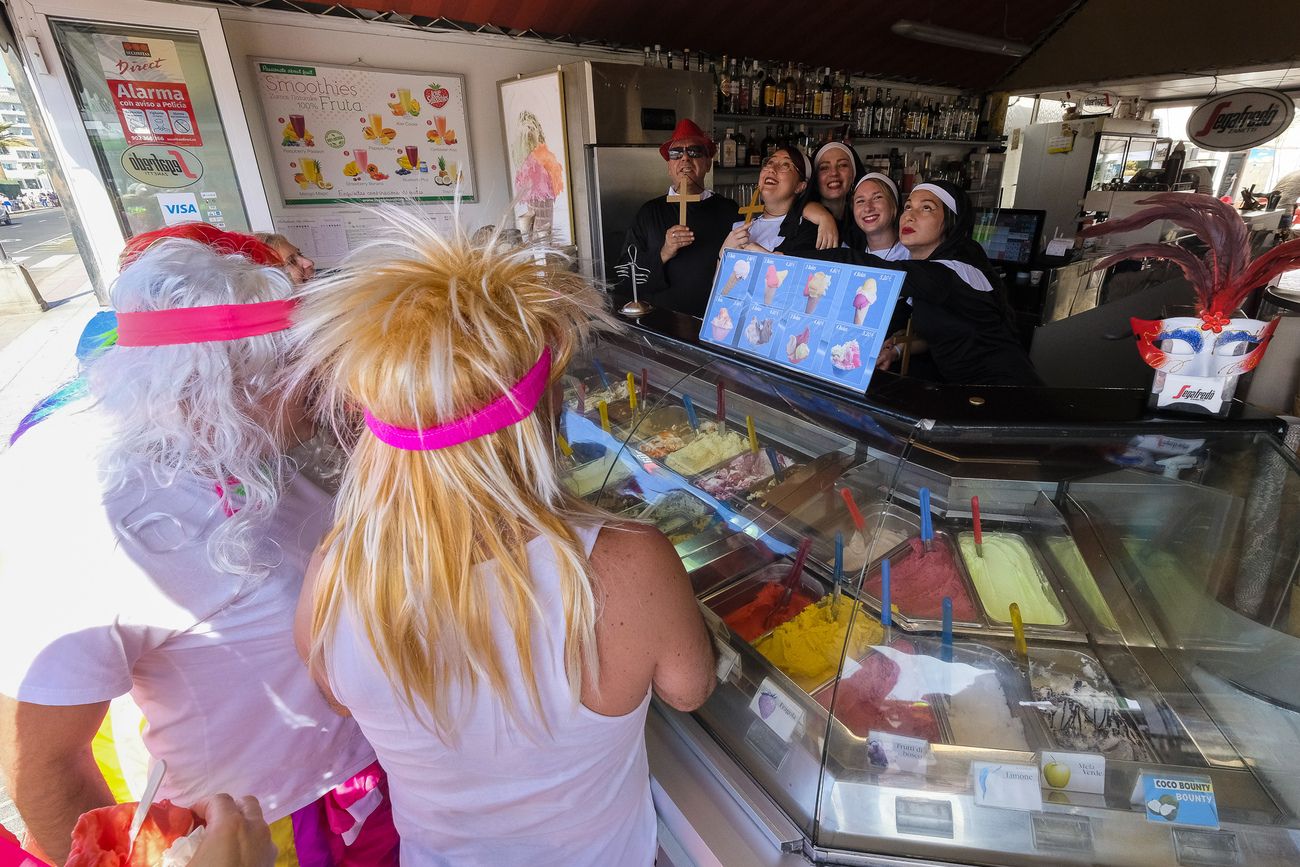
99, 334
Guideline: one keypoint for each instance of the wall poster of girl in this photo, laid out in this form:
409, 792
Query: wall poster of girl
532, 120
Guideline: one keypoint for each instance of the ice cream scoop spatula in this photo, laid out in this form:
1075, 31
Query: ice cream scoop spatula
791, 581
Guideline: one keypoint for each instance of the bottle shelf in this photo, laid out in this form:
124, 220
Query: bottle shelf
867, 142
780, 118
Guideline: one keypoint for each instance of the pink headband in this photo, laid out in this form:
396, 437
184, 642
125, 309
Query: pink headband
510, 408
202, 324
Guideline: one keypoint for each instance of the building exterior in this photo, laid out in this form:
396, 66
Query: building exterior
20, 164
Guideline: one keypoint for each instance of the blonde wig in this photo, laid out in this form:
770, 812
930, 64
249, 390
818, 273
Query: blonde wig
421, 329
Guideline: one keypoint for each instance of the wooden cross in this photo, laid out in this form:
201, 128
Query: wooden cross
681, 199
753, 209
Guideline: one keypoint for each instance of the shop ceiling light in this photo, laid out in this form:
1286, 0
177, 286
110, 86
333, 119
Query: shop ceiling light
958, 39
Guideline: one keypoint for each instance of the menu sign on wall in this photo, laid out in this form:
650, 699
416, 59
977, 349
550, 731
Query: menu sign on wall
148, 90
344, 134
823, 319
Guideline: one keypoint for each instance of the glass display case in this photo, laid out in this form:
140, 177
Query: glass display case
1139, 705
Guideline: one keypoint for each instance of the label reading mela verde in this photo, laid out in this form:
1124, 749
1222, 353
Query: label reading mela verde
1074, 772
781, 713
1240, 119
1176, 799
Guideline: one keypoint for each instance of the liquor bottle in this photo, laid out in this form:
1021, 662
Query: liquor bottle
724, 87
837, 97
659, 56
686, 59
800, 92
742, 149
755, 149
878, 128
745, 95
887, 128
791, 88
645, 59
769, 145
729, 149
849, 101
779, 105
827, 93
756, 89
733, 89
815, 110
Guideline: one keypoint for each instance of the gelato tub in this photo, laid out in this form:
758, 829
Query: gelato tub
888, 692
1070, 562
745, 605
919, 580
743, 472
706, 451
680, 516
1079, 707
1010, 572
591, 477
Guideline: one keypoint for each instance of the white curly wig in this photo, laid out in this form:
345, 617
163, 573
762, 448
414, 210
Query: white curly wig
206, 410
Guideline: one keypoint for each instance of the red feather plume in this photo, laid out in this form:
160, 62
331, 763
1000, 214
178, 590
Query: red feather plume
1227, 275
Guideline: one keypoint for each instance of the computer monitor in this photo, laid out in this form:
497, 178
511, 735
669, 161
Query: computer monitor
1010, 236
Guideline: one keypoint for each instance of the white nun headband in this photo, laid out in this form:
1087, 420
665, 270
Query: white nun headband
939, 193
877, 176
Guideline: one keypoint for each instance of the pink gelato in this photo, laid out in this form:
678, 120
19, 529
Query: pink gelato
863, 299
846, 356
741, 473
721, 324
871, 699
918, 581
772, 281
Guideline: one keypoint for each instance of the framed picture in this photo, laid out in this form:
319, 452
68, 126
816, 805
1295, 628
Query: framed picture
532, 121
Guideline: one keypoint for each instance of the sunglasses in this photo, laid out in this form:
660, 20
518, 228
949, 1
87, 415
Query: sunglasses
692, 151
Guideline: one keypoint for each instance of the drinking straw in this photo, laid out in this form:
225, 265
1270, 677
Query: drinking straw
753, 435
722, 406
690, 412
776, 465
631, 391
886, 615
947, 629
979, 532
600, 371
645, 384
604, 414
853, 509
1018, 627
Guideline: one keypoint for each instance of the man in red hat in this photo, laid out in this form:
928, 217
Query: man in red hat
680, 258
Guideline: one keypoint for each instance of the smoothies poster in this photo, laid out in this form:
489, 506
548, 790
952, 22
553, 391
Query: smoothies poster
825, 319
346, 134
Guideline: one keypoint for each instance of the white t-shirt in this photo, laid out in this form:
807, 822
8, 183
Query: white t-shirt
580, 796
765, 231
111, 591
896, 253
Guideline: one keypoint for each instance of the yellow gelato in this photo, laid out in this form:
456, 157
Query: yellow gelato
706, 450
808, 648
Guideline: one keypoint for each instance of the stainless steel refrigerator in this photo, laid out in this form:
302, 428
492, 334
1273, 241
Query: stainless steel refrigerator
616, 117
1101, 149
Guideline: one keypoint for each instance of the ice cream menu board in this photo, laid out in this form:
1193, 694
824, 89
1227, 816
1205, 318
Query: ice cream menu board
824, 319
345, 134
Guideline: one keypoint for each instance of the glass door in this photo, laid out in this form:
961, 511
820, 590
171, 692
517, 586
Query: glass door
1112, 152
149, 110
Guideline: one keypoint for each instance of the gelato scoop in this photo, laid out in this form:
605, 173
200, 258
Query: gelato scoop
739, 272
758, 332
772, 281
721, 324
741, 473
884, 695
846, 356
920, 579
815, 288
863, 299
705, 451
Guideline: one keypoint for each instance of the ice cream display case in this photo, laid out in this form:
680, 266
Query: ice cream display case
1082, 647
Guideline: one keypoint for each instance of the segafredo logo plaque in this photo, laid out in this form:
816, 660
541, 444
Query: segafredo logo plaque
162, 166
1241, 119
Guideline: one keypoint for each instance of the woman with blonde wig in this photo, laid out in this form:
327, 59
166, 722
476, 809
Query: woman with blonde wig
496, 639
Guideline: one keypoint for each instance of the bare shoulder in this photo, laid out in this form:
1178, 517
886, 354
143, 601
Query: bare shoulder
631, 551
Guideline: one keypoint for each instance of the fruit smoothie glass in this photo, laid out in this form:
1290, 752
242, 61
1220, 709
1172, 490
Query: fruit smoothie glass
377, 123
413, 156
440, 124
362, 157
404, 96
299, 124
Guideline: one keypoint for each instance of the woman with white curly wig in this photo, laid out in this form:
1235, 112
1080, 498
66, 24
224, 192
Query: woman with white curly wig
155, 540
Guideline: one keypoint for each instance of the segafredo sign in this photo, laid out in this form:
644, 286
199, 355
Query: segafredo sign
1241, 119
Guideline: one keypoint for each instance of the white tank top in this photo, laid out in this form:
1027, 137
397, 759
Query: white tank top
578, 796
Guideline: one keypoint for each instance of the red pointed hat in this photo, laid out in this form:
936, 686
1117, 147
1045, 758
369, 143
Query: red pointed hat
687, 130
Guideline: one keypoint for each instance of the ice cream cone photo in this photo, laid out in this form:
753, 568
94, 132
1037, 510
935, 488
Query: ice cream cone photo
738, 272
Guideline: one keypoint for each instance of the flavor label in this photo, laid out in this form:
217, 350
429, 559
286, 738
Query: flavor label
1177, 799
1007, 786
893, 752
1074, 772
781, 713
728, 659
